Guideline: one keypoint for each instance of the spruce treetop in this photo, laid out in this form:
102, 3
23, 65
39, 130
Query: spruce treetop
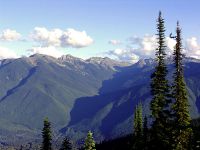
89, 142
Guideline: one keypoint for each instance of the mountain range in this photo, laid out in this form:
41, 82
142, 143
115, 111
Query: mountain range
97, 94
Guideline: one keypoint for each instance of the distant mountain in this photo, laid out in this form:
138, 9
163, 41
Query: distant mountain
107, 62
77, 95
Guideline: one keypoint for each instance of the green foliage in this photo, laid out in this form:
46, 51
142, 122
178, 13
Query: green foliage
160, 104
138, 128
145, 133
46, 134
122, 143
66, 144
138, 121
182, 130
89, 142
196, 133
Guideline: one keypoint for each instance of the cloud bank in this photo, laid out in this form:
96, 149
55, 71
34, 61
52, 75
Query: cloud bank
140, 47
144, 47
48, 42
51, 42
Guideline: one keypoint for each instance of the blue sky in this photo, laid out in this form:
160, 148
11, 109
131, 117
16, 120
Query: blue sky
129, 25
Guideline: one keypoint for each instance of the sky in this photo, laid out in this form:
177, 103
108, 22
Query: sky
121, 29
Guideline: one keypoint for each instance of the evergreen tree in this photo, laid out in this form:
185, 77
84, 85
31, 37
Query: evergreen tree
89, 142
182, 129
66, 144
46, 134
160, 104
138, 128
145, 133
138, 121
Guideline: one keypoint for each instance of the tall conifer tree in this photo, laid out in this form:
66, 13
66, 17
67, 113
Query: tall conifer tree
160, 103
182, 130
138, 128
138, 121
145, 133
66, 144
89, 142
46, 134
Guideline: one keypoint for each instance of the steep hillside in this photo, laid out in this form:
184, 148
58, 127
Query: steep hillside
97, 94
111, 114
40, 86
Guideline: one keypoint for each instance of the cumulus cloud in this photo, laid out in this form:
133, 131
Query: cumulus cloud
170, 43
123, 55
114, 42
145, 47
10, 35
61, 38
192, 47
141, 47
75, 38
7, 53
51, 51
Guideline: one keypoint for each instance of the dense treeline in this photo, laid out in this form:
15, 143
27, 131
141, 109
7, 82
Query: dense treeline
126, 142
170, 127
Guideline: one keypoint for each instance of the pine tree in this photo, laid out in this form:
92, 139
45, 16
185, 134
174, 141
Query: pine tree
89, 142
182, 129
138, 121
138, 128
66, 144
46, 134
160, 104
145, 133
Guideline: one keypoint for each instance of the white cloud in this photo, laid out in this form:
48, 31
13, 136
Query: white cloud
60, 38
114, 42
123, 55
141, 48
170, 45
47, 38
75, 38
51, 51
192, 47
7, 53
10, 35
145, 47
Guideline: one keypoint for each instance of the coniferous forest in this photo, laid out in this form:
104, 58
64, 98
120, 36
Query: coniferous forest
169, 126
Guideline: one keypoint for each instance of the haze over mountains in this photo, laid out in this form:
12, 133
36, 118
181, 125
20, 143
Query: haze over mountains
77, 95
